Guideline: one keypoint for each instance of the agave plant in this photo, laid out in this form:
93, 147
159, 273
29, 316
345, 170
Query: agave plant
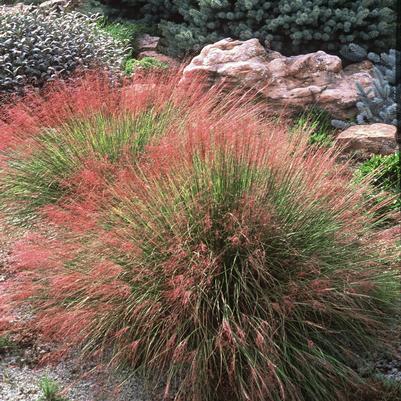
378, 104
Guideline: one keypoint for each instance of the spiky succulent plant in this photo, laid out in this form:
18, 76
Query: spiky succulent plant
38, 45
378, 104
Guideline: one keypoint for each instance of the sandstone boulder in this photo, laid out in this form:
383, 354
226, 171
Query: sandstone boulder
369, 139
291, 82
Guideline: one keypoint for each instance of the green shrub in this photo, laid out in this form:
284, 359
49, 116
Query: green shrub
88, 7
289, 26
128, 33
386, 176
145, 63
124, 31
39, 45
12, 2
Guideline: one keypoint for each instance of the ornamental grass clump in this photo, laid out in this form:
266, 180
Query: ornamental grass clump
55, 144
65, 156
233, 260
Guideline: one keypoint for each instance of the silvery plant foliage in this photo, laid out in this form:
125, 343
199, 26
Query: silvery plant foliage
380, 103
39, 45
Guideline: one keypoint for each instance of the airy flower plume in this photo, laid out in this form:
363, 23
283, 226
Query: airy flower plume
198, 239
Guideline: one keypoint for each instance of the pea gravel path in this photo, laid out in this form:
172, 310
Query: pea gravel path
20, 376
21, 383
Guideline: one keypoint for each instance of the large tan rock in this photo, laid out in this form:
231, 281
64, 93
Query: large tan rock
369, 139
293, 82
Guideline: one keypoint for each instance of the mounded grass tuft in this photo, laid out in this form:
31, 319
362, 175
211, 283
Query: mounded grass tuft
232, 259
53, 146
50, 390
146, 63
58, 154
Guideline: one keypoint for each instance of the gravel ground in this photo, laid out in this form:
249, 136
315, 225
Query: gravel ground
390, 367
21, 383
20, 374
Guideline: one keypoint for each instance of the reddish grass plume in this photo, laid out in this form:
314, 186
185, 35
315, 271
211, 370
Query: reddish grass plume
230, 259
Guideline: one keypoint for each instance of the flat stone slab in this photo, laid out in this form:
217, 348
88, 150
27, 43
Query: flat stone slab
369, 139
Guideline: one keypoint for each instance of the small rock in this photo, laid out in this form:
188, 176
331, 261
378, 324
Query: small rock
67, 5
369, 139
147, 42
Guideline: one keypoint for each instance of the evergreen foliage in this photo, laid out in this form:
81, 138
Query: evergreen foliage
382, 106
354, 53
90, 7
289, 26
145, 63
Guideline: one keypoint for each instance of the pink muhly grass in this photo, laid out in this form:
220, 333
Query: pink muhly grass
69, 141
242, 249
91, 93
230, 257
